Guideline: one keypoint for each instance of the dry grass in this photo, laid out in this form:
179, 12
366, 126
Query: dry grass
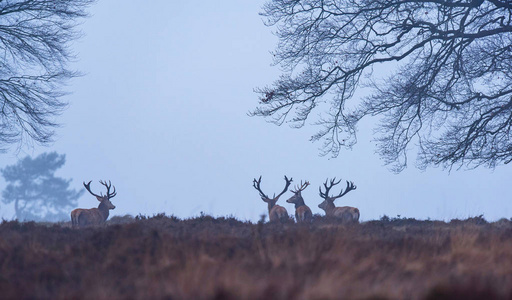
206, 258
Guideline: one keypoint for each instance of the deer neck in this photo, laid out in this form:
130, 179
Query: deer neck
300, 202
271, 205
329, 208
104, 210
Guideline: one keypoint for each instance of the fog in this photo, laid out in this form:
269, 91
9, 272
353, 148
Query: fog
161, 111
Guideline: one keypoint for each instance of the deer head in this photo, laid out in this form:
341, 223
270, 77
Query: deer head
271, 201
328, 203
105, 200
297, 198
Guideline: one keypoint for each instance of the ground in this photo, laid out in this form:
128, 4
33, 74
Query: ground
164, 257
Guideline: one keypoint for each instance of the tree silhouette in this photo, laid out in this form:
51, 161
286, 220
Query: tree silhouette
37, 194
34, 50
447, 90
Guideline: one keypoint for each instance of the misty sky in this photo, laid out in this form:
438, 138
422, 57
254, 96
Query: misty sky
161, 111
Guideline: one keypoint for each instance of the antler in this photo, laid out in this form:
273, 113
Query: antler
88, 188
328, 188
109, 195
285, 188
350, 187
256, 185
302, 187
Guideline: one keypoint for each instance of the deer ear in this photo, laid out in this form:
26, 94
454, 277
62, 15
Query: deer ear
100, 199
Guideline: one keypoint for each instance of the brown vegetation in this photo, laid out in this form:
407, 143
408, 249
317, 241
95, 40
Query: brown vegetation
208, 258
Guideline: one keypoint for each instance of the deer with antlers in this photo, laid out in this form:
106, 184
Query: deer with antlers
347, 214
302, 211
94, 216
275, 212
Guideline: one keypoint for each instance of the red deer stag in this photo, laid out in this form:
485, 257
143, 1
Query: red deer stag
346, 214
275, 212
302, 211
94, 216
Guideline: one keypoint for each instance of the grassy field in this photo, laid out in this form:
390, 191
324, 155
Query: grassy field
206, 258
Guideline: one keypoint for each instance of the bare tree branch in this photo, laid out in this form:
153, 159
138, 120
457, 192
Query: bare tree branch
449, 84
34, 52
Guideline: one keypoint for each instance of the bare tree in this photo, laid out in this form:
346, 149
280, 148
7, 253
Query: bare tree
447, 90
34, 52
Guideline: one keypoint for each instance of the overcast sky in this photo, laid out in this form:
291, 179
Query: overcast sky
161, 111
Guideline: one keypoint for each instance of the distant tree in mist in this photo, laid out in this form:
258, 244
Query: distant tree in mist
447, 90
35, 191
34, 51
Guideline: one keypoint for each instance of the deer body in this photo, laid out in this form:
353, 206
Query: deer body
303, 213
81, 217
346, 214
276, 213
92, 216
